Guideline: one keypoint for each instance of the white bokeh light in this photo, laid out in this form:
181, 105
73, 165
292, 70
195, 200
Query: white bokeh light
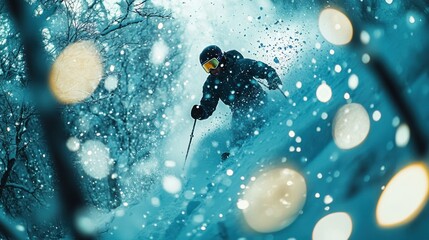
336, 226
402, 136
338, 68
95, 159
159, 52
366, 58
76, 72
376, 115
365, 37
275, 199
404, 196
353, 81
351, 126
111, 83
171, 184
73, 144
324, 93
335, 26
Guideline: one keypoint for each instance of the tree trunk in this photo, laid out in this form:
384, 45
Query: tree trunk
5, 177
114, 189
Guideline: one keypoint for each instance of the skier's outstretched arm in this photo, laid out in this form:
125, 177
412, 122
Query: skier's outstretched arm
262, 70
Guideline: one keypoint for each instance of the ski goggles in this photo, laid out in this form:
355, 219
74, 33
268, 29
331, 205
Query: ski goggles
211, 64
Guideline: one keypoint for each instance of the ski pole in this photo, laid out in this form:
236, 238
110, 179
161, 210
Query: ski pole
189, 145
278, 87
284, 95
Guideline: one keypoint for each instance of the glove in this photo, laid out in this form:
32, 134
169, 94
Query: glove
274, 83
197, 112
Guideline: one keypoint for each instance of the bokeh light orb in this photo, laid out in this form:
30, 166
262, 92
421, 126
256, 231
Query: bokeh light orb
324, 93
76, 72
404, 196
274, 200
351, 126
402, 135
171, 184
335, 26
336, 226
95, 159
353, 81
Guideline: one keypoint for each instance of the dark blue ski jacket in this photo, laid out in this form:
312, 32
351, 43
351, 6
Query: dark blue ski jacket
236, 85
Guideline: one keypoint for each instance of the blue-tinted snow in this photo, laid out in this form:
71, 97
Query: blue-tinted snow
353, 178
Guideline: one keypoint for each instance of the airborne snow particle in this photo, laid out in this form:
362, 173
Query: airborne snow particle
389, 1
276, 60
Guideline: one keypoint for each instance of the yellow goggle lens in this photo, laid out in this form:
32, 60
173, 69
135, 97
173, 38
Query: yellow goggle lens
211, 64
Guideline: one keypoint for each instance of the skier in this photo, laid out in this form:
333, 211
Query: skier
232, 80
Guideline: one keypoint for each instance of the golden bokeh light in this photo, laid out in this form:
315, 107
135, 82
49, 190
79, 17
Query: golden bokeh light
274, 200
335, 26
404, 196
336, 226
76, 72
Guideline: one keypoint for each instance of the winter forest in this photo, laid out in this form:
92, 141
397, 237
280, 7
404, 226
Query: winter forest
97, 139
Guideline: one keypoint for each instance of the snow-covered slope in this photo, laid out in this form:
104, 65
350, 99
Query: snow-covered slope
299, 136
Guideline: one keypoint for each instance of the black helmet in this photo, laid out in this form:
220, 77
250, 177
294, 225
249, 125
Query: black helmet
210, 52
